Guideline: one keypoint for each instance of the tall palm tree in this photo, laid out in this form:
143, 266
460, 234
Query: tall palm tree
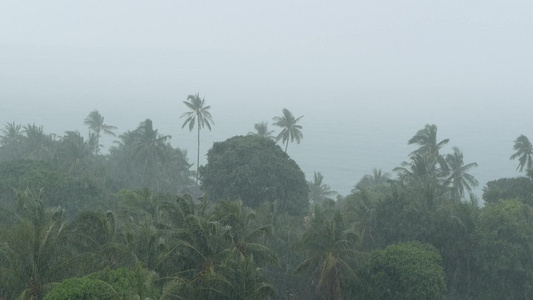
262, 130
199, 114
95, 121
290, 130
458, 178
524, 153
427, 140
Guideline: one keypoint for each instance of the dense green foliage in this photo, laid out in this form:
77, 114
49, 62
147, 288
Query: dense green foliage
509, 188
504, 250
82, 289
57, 187
78, 224
255, 170
121, 283
405, 271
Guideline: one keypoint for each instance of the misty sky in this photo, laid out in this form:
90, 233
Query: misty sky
304, 43
355, 62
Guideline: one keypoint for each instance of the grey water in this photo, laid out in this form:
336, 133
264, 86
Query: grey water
349, 126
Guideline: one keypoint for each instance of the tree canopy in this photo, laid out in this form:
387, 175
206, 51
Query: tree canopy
255, 170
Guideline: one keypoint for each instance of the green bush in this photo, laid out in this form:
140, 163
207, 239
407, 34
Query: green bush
404, 271
255, 170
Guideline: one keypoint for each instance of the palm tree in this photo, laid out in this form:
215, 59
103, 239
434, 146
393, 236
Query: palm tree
96, 236
458, 178
421, 175
73, 152
12, 133
290, 130
10, 141
246, 279
199, 114
203, 247
245, 232
95, 121
331, 253
377, 178
243, 268
319, 191
38, 144
524, 153
419, 169
150, 149
177, 168
262, 130
427, 140
32, 252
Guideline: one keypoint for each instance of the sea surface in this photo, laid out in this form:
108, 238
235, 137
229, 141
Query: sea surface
348, 129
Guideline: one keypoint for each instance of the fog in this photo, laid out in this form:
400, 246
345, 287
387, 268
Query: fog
129, 220
365, 75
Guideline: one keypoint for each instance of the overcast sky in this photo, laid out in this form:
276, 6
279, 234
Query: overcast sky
363, 43
361, 72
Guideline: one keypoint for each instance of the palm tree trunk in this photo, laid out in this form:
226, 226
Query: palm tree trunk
286, 145
97, 142
198, 154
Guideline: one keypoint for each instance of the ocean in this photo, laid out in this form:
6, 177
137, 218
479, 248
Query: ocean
349, 129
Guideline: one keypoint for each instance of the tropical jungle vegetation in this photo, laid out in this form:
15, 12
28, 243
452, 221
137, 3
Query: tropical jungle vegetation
134, 222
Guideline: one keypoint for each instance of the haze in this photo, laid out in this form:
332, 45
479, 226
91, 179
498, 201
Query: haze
366, 75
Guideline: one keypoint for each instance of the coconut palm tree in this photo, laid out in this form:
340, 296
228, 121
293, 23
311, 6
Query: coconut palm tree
246, 279
524, 153
427, 140
262, 130
32, 251
95, 121
420, 169
246, 234
290, 130
377, 178
244, 266
199, 114
95, 235
331, 254
10, 141
38, 145
458, 179
203, 247
74, 153
150, 149
318, 191
421, 175
12, 133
